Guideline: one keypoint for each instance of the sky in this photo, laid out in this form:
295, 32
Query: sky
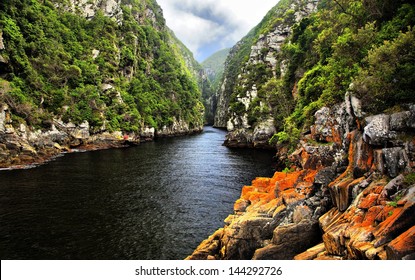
207, 26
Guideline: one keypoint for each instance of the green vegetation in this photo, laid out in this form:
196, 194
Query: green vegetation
116, 76
214, 67
368, 43
409, 179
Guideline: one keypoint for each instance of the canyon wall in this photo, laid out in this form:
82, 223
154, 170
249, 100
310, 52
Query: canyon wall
349, 194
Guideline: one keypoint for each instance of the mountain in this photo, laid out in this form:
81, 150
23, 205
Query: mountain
214, 66
85, 70
330, 86
297, 61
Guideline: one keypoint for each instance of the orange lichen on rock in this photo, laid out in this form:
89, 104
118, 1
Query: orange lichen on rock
399, 219
369, 201
402, 246
287, 182
371, 216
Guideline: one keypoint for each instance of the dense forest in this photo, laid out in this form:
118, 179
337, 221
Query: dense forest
114, 64
363, 47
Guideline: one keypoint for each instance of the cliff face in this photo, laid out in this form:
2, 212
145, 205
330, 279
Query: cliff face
81, 72
348, 195
329, 85
242, 107
303, 56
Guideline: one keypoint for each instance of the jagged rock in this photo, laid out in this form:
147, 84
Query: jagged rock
208, 249
311, 253
377, 131
178, 127
326, 128
396, 160
384, 130
3, 120
400, 219
289, 240
243, 237
402, 247
147, 133
325, 176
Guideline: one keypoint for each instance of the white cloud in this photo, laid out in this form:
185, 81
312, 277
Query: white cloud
214, 23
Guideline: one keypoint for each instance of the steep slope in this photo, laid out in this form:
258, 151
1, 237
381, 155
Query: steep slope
346, 195
200, 74
86, 70
337, 88
245, 105
213, 68
296, 61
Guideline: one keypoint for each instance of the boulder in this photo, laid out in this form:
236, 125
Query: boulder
402, 247
290, 240
377, 131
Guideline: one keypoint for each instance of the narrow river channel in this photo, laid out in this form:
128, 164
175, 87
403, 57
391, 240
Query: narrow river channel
158, 200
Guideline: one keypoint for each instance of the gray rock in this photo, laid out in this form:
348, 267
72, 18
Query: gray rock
396, 160
2, 47
353, 104
325, 176
400, 121
378, 132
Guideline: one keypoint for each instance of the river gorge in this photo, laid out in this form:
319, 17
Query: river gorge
158, 200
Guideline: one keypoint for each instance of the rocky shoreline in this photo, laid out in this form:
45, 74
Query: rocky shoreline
349, 194
24, 147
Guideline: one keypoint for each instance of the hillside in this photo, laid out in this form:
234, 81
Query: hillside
298, 60
86, 70
214, 66
330, 86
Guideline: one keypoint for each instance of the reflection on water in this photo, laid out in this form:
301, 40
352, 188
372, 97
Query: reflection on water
155, 201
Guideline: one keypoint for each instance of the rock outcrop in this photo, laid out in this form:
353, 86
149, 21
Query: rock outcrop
251, 124
349, 195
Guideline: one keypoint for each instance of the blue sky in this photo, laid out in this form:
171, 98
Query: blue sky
206, 26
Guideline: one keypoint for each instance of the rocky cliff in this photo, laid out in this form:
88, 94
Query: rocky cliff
349, 194
62, 86
242, 108
329, 85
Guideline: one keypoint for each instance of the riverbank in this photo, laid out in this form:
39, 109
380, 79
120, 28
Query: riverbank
24, 147
346, 195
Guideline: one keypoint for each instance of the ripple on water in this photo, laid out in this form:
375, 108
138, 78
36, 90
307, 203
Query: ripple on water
158, 200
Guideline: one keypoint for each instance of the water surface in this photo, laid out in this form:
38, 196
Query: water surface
158, 200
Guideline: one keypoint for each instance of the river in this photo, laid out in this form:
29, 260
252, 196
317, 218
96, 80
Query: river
158, 200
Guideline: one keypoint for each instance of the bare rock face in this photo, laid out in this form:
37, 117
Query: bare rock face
373, 227
2, 47
244, 132
275, 218
351, 195
88, 8
290, 239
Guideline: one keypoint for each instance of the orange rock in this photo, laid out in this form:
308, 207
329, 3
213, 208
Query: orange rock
369, 201
371, 215
400, 219
402, 246
261, 182
287, 182
311, 253
291, 196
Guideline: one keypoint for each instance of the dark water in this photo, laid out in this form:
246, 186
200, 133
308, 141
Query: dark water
155, 201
